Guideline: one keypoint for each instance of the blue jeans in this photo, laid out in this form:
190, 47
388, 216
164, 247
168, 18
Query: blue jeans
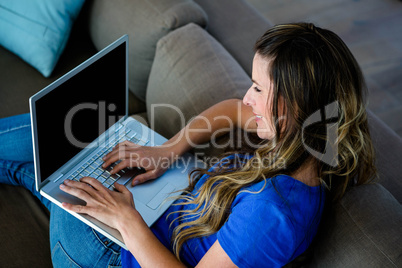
72, 243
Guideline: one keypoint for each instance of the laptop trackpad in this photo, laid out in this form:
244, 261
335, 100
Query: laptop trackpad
161, 196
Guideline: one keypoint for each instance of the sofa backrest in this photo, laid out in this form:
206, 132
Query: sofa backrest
364, 230
191, 72
145, 21
236, 28
388, 153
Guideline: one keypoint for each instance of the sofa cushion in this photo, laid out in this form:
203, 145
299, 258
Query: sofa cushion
388, 154
191, 72
364, 231
145, 21
236, 28
37, 31
24, 225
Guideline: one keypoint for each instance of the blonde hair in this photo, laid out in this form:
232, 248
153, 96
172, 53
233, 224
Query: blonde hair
311, 68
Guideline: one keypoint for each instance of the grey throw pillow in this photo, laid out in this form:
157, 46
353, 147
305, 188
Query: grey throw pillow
145, 21
365, 231
191, 72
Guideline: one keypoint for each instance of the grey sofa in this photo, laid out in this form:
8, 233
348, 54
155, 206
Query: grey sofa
192, 54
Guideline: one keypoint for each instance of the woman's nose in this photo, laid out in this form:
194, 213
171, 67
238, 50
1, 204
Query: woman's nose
247, 99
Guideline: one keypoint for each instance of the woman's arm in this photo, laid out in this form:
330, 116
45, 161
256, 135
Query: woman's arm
213, 122
142, 243
210, 124
117, 209
149, 251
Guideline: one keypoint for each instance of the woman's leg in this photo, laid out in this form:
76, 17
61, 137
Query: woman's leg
16, 154
21, 174
16, 138
73, 243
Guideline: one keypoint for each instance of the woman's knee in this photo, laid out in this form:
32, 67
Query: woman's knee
16, 138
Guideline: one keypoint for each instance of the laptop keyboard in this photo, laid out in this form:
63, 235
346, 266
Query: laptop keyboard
93, 167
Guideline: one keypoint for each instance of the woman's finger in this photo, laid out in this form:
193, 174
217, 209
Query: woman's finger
123, 146
129, 144
121, 154
78, 192
149, 175
93, 188
121, 188
113, 157
76, 208
125, 163
94, 184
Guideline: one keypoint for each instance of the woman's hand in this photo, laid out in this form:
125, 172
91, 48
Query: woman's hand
155, 160
107, 206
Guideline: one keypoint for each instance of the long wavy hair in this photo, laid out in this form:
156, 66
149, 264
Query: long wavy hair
315, 74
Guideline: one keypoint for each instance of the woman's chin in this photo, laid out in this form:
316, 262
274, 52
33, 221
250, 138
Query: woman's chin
264, 134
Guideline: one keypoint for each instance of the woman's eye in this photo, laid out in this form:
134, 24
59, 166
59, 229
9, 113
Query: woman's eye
257, 89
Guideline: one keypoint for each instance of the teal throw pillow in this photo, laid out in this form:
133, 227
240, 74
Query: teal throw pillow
37, 30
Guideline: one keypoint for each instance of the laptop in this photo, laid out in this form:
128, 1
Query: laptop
78, 119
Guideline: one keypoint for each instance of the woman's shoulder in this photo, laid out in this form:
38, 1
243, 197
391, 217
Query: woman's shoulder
280, 215
282, 197
281, 190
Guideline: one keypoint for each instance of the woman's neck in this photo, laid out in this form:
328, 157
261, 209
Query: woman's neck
307, 174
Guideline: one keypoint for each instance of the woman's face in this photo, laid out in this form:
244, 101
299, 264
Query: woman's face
259, 97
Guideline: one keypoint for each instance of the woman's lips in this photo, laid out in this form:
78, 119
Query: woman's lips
257, 117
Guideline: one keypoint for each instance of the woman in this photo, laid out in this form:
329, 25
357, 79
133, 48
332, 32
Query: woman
248, 210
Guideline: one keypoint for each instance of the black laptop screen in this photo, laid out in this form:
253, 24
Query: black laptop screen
77, 111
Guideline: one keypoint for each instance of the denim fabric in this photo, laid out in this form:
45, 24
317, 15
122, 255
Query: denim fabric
16, 154
16, 138
73, 243
22, 174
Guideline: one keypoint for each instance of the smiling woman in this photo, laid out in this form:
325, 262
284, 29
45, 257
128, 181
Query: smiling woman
260, 98
254, 209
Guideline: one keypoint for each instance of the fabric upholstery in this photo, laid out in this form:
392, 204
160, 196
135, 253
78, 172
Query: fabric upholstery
37, 30
365, 230
19, 81
145, 21
191, 72
388, 161
236, 28
24, 225
363, 233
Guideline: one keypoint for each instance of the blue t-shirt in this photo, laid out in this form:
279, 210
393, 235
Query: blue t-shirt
265, 229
